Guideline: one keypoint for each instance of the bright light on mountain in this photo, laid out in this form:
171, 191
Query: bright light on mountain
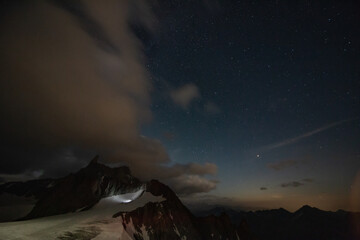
127, 197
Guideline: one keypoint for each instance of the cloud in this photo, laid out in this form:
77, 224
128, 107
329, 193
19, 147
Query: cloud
195, 168
296, 183
189, 178
147, 159
282, 164
53, 160
308, 180
292, 184
212, 108
184, 95
185, 179
306, 135
263, 188
90, 87
21, 177
191, 184
77, 83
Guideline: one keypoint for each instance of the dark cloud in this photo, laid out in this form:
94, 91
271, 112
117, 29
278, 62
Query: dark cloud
71, 90
308, 180
282, 164
28, 175
296, 183
263, 188
19, 160
292, 184
74, 85
89, 24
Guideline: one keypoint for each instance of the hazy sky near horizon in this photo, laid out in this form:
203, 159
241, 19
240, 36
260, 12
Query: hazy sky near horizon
241, 103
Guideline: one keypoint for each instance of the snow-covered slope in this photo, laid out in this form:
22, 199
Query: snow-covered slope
97, 222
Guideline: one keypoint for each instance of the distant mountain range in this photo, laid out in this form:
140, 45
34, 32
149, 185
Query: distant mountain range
99, 202
307, 223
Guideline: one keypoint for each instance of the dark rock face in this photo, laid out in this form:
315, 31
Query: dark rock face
84, 189
170, 219
244, 231
217, 227
32, 188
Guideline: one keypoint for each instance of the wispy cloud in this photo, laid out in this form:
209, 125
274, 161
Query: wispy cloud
184, 95
306, 135
292, 184
297, 183
309, 180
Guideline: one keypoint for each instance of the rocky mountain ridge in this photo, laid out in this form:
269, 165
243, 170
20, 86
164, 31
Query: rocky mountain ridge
87, 190
305, 223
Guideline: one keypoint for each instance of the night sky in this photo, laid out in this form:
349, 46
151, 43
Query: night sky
265, 96
273, 71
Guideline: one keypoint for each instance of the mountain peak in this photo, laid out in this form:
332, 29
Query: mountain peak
306, 208
283, 210
94, 161
85, 188
100, 169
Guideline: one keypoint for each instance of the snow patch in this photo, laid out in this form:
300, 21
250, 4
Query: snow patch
117, 206
144, 233
176, 230
127, 197
100, 216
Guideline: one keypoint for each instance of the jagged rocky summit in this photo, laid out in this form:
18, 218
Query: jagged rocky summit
100, 202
